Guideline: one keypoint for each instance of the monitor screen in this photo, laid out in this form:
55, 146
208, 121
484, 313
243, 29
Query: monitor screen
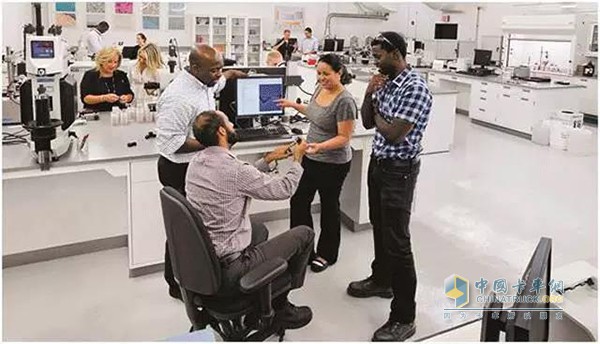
130, 52
256, 96
42, 49
329, 44
446, 31
482, 57
339, 44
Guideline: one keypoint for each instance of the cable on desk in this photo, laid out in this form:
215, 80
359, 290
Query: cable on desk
301, 89
590, 281
14, 138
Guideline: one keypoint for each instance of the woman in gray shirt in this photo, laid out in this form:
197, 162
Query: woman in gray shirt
331, 111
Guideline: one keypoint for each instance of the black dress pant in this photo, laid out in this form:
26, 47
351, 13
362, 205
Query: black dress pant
327, 179
391, 188
173, 175
294, 245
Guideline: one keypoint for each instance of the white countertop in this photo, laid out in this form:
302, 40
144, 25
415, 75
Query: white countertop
499, 80
108, 143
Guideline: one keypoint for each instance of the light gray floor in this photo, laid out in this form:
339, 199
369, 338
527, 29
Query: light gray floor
480, 211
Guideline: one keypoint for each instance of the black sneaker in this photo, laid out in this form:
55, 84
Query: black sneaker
368, 288
293, 317
393, 331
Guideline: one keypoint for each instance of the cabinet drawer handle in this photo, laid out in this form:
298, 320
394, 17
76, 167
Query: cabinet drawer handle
432, 74
482, 110
584, 80
525, 99
453, 78
506, 87
484, 83
482, 98
483, 91
526, 91
506, 95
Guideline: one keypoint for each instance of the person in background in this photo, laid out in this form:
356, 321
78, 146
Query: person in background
397, 104
190, 93
105, 86
140, 40
147, 69
274, 59
309, 44
221, 187
285, 45
332, 112
93, 38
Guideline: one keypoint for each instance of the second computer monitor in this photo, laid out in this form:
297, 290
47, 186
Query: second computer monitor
482, 57
256, 96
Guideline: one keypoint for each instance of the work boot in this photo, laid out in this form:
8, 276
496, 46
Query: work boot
368, 288
293, 317
394, 331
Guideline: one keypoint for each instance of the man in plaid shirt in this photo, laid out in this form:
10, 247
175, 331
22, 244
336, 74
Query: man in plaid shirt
397, 104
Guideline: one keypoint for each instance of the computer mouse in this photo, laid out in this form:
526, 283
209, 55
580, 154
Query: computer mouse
297, 131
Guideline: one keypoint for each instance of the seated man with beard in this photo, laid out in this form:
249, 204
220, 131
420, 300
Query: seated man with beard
220, 187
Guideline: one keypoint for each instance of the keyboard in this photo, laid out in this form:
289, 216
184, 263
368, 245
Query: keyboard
476, 72
266, 133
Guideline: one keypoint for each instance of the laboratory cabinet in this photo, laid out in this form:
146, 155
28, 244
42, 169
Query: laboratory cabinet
236, 37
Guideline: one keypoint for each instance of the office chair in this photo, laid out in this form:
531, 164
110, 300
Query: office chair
239, 315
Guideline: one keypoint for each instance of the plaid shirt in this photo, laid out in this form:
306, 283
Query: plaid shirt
407, 97
220, 187
184, 99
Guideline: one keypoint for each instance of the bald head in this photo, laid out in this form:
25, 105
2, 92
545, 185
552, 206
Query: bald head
206, 64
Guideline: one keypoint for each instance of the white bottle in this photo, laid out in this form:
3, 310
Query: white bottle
115, 116
124, 117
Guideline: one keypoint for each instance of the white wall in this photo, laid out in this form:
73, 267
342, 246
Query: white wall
413, 19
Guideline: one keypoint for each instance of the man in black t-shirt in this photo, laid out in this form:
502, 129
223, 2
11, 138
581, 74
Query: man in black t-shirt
286, 45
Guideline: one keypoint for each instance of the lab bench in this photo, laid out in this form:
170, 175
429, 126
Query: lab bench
108, 196
507, 104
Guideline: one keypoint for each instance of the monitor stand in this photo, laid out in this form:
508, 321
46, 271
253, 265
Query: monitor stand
244, 123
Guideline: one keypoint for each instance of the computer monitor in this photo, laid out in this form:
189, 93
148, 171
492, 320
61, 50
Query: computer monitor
518, 329
482, 57
419, 45
446, 31
130, 52
339, 44
256, 96
228, 95
329, 44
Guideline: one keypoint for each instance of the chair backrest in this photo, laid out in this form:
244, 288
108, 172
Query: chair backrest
195, 263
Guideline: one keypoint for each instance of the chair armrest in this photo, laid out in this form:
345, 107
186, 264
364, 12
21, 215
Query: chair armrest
262, 274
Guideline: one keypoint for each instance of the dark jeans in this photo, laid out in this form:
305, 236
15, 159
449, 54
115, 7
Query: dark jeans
391, 191
173, 175
294, 246
327, 179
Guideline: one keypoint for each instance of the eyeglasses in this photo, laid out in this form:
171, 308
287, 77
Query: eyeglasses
381, 37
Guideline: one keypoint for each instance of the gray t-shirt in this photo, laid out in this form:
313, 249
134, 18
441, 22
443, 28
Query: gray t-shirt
323, 125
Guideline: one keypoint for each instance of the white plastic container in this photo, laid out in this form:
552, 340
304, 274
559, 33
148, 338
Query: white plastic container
131, 114
139, 113
559, 134
115, 116
541, 133
124, 117
570, 118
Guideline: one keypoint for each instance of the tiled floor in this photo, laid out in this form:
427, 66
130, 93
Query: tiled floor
480, 211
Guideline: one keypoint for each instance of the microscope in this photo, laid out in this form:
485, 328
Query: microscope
48, 98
